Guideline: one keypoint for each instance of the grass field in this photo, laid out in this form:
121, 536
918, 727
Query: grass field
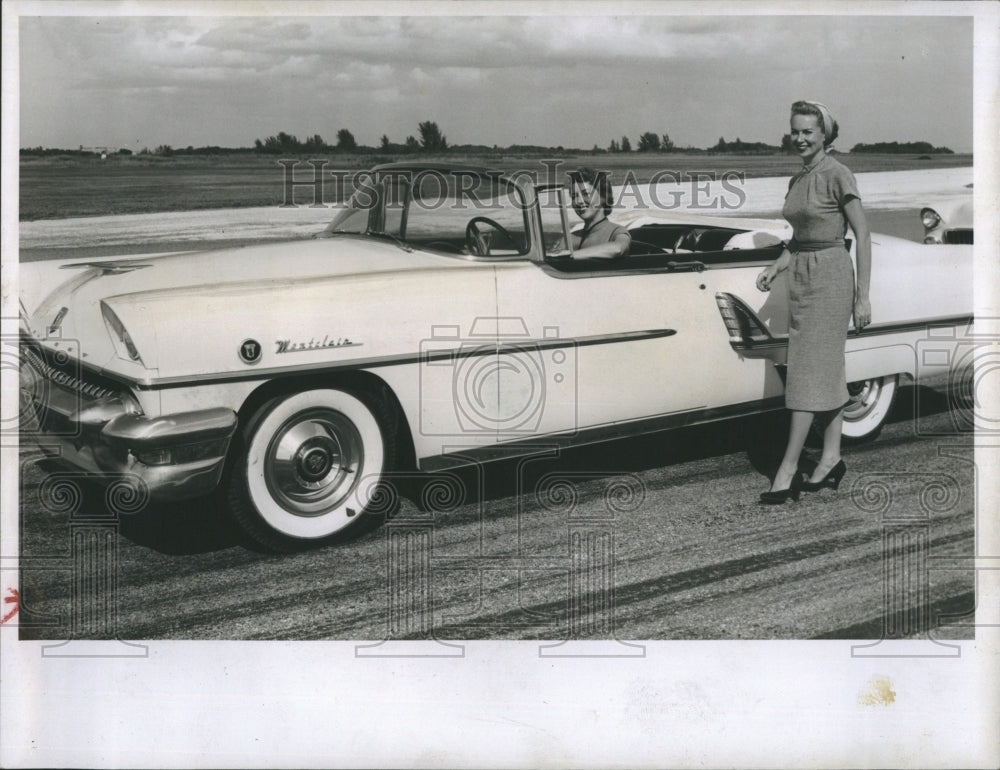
56, 188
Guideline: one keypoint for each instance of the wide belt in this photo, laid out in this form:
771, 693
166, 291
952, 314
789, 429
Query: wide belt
794, 245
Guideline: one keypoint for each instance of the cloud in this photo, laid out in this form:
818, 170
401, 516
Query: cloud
164, 49
572, 81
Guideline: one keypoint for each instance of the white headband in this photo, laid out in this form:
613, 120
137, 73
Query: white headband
825, 117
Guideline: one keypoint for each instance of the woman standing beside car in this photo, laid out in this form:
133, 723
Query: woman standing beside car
822, 200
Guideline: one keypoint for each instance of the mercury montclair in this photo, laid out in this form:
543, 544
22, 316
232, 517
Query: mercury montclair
432, 325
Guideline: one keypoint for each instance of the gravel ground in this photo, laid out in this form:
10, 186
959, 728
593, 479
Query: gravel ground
661, 538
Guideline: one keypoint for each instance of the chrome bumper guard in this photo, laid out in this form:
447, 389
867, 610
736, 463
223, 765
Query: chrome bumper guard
173, 457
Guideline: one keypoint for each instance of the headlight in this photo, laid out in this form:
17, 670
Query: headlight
123, 342
930, 218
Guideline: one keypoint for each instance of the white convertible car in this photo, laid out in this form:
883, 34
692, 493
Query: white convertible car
432, 325
949, 221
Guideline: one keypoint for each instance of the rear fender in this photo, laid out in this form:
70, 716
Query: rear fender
870, 363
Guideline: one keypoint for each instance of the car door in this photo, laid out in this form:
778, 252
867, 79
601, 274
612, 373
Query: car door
607, 346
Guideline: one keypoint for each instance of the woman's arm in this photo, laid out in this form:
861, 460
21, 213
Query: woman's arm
859, 224
616, 247
768, 274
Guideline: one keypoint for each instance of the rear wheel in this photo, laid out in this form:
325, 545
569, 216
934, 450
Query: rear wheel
871, 401
308, 467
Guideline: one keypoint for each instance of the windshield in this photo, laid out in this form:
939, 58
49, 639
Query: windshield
452, 212
553, 205
353, 218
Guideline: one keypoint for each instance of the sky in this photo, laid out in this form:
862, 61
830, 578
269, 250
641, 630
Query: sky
143, 81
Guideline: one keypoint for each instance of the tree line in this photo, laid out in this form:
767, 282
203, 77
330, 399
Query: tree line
430, 139
922, 147
650, 141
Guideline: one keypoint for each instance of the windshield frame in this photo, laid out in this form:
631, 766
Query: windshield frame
564, 202
391, 180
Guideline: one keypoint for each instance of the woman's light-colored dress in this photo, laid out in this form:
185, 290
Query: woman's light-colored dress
820, 286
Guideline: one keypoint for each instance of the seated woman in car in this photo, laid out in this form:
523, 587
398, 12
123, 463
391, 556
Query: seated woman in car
592, 201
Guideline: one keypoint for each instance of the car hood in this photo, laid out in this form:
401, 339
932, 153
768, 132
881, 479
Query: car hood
188, 300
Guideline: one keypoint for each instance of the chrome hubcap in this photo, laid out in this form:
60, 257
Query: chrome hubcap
864, 397
313, 462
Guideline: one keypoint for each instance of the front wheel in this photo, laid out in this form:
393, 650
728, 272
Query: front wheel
871, 401
308, 467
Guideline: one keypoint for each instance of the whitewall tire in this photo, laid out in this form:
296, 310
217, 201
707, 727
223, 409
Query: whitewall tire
309, 465
870, 404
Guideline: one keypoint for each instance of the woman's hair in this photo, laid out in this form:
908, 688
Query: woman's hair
822, 114
600, 181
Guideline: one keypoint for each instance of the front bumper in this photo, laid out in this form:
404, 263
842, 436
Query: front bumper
100, 431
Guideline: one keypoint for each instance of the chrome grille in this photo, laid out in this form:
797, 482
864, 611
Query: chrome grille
958, 236
64, 379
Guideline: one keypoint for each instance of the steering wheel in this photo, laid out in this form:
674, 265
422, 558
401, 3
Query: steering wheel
477, 243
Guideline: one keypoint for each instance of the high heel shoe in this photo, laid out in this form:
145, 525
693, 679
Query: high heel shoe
831, 479
778, 496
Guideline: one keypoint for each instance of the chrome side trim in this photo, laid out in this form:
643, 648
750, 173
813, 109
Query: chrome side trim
912, 326
489, 347
749, 335
107, 268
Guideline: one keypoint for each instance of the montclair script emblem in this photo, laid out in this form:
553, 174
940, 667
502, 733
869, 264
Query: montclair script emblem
328, 342
250, 351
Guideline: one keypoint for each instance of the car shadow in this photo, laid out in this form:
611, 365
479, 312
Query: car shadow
183, 528
761, 438
192, 527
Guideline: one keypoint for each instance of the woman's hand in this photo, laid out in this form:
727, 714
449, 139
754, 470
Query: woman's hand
765, 278
862, 313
